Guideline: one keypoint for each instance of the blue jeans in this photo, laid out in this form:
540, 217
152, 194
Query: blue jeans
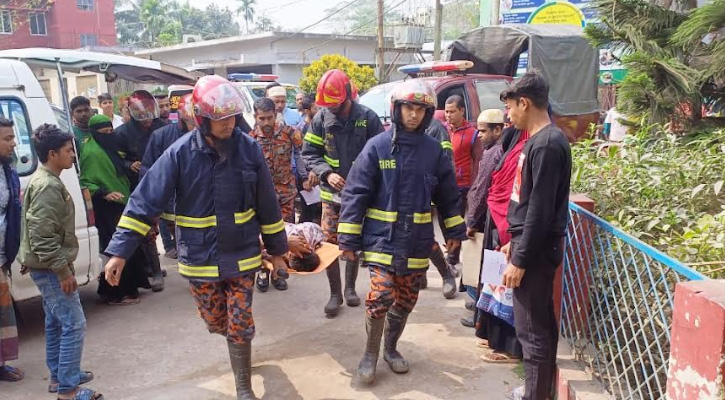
65, 329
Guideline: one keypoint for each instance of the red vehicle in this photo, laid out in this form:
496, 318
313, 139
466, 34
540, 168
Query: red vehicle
479, 91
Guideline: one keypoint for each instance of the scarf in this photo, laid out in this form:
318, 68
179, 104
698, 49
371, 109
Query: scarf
502, 182
109, 143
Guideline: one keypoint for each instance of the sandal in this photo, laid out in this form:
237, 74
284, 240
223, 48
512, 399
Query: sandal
86, 394
483, 343
86, 376
11, 374
499, 358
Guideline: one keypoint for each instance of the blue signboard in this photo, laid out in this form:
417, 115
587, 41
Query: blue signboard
516, 18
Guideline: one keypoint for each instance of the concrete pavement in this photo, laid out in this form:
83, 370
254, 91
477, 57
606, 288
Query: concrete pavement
160, 349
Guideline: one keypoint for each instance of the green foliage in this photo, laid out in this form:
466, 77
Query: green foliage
359, 18
706, 20
362, 76
247, 10
459, 17
666, 190
153, 23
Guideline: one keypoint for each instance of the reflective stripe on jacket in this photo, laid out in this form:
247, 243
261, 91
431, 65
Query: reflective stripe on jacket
386, 203
222, 206
333, 145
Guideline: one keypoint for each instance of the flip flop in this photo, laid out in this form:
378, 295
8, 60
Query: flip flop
86, 376
11, 374
483, 343
86, 394
126, 301
499, 358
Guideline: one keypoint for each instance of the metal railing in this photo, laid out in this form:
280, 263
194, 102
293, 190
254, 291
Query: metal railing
617, 298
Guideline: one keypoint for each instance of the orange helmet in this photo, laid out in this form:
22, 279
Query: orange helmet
333, 89
215, 98
186, 110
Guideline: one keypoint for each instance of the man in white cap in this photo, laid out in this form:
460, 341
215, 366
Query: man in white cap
490, 128
278, 94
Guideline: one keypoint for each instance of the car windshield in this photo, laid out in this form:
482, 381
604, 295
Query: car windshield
378, 99
259, 91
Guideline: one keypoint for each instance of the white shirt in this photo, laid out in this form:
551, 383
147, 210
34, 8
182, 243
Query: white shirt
617, 130
117, 121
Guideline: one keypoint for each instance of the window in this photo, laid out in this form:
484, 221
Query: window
489, 93
85, 5
6, 23
459, 90
14, 110
88, 40
37, 24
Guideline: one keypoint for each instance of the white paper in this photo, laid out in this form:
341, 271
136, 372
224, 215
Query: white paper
494, 264
311, 196
471, 251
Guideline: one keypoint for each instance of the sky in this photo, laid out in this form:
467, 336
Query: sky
290, 14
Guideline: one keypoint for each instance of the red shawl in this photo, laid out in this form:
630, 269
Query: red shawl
502, 182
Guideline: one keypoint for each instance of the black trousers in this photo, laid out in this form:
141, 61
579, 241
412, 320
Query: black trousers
535, 323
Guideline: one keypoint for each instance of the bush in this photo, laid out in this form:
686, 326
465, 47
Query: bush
662, 189
362, 76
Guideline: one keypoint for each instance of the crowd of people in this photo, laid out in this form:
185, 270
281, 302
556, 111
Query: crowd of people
226, 198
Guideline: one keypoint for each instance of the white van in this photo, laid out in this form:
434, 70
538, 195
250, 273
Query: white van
23, 101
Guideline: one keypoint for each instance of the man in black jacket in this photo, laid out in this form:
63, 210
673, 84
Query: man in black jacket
133, 139
537, 216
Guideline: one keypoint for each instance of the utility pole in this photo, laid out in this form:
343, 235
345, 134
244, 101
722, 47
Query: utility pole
381, 43
438, 31
495, 11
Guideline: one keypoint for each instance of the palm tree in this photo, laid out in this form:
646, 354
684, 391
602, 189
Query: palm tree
247, 8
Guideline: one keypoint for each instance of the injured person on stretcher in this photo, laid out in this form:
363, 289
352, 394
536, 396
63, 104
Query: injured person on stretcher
308, 253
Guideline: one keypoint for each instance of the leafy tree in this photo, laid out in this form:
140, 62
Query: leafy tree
247, 9
265, 24
358, 17
459, 17
362, 76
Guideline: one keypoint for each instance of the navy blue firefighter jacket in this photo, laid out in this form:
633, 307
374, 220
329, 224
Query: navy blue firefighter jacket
386, 202
222, 206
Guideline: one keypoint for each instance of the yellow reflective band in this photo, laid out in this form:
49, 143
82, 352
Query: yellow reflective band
382, 258
332, 162
196, 222
168, 217
446, 145
243, 217
422, 218
314, 139
453, 221
380, 215
325, 195
353, 229
271, 229
417, 263
250, 263
134, 225
207, 271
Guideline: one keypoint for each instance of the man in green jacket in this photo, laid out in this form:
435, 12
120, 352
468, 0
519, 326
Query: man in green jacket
48, 248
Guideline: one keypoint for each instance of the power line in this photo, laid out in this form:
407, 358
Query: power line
354, 29
325, 18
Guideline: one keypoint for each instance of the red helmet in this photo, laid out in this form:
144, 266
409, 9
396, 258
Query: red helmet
333, 89
143, 106
215, 98
186, 110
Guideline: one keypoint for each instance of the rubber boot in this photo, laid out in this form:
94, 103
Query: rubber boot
240, 356
393, 330
152, 258
449, 282
351, 268
369, 363
333, 276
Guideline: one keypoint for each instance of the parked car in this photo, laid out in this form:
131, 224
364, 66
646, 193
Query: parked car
23, 101
479, 91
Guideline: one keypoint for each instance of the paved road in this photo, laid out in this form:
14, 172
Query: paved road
160, 349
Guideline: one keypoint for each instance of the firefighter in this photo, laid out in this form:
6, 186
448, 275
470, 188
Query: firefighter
339, 132
439, 132
224, 199
386, 214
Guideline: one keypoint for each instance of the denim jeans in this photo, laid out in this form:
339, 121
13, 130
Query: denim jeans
65, 329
